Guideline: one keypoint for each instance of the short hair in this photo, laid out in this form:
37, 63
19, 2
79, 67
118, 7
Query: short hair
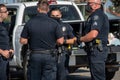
55, 9
2, 5
43, 5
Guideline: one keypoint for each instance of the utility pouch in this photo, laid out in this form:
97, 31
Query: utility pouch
99, 45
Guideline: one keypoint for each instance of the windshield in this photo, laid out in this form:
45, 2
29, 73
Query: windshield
69, 13
112, 9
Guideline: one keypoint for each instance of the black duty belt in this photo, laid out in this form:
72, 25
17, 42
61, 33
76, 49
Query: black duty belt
41, 51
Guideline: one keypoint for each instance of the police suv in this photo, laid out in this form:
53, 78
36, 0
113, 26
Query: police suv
20, 13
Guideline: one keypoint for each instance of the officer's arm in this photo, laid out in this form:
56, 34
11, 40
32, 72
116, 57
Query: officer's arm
71, 41
90, 36
23, 40
60, 41
4, 53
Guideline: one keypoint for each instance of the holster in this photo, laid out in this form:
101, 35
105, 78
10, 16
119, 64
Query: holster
54, 52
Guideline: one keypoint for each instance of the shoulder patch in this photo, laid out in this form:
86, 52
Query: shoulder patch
95, 23
96, 17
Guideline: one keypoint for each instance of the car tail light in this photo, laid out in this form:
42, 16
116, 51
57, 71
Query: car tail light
52, 2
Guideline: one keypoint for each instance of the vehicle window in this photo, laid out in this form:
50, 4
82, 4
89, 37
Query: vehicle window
68, 11
29, 13
82, 9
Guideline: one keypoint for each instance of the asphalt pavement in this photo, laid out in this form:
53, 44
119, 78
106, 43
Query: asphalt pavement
79, 74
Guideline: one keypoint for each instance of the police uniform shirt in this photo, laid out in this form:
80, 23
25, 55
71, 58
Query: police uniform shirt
67, 30
98, 21
42, 32
4, 38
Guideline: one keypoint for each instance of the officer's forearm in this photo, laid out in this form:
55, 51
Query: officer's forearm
90, 36
86, 39
60, 41
71, 41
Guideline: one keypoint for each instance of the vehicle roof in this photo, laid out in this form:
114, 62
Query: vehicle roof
34, 3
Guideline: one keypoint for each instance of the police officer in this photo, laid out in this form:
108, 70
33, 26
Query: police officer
4, 43
63, 58
42, 33
96, 36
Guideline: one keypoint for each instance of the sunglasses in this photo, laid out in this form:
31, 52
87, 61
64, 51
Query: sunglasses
93, 3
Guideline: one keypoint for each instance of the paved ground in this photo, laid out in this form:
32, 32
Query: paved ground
117, 75
80, 74
84, 74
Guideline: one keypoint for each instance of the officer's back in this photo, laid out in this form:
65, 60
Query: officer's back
42, 34
46, 28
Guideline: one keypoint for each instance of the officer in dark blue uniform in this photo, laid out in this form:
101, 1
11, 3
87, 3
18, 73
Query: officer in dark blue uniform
4, 43
96, 38
63, 57
42, 34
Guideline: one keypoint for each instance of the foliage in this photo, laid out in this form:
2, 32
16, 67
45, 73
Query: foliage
116, 3
116, 6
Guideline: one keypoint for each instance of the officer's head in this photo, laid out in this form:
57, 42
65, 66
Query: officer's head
43, 6
3, 12
55, 13
93, 5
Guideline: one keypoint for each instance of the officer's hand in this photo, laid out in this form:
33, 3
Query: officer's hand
70, 41
5, 53
11, 51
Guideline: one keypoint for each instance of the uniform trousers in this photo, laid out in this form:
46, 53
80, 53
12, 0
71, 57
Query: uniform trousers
41, 66
61, 70
3, 68
97, 63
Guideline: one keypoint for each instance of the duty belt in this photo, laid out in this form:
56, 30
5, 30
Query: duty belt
41, 51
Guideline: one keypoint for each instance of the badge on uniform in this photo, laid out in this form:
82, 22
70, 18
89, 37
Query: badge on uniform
96, 17
63, 28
